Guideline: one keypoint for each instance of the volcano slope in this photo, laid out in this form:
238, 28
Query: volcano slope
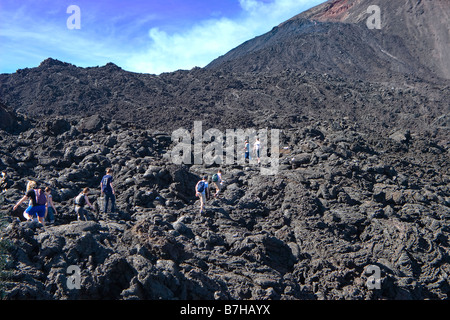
226, 99
413, 38
363, 178
341, 201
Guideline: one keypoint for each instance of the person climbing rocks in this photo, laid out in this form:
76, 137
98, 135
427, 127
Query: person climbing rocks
247, 151
80, 201
37, 207
202, 191
51, 210
217, 182
107, 191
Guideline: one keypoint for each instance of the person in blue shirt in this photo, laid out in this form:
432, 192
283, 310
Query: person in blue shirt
107, 191
247, 150
202, 191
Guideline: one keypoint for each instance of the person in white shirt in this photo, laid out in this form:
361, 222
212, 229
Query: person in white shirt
257, 148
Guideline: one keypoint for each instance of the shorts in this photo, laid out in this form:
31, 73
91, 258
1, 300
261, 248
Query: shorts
38, 211
218, 185
202, 198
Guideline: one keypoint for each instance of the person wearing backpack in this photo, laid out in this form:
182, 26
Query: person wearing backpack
80, 201
202, 191
217, 181
107, 191
38, 203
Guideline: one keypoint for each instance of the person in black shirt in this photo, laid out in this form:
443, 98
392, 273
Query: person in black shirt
38, 203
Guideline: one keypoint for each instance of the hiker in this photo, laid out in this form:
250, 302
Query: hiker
257, 148
202, 191
247, 151
37, 206
3, 182
80, 201
51, 210
107, 191
217, 181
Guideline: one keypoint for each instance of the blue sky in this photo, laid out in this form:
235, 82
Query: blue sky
152, 36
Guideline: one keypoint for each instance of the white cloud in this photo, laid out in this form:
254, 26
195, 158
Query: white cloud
29, 36
208, 39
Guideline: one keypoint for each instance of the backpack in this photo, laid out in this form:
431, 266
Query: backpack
41, 198
201, 186
215, 177
80, 200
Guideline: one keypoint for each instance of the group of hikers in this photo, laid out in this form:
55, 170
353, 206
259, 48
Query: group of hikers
202, 189
256, 150
42, 208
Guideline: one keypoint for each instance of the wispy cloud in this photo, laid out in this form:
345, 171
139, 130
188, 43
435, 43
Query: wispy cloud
208, 39
30, 33
131, 38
